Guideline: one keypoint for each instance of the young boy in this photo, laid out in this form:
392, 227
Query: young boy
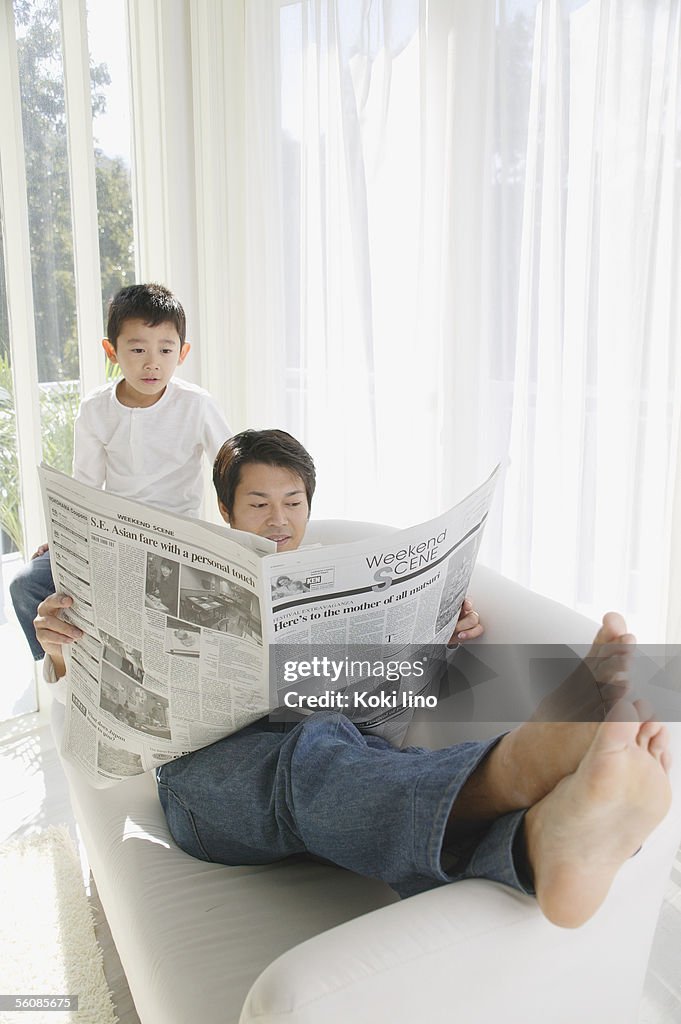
140, 436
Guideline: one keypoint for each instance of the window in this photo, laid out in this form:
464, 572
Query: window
62, 236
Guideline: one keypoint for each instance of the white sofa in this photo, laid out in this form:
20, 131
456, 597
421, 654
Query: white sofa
312, 944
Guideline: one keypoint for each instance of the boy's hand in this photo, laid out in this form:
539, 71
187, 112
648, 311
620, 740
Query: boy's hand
52, 631
468, 626
41, 551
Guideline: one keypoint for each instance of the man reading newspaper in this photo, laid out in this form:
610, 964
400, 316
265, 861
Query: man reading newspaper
550, 808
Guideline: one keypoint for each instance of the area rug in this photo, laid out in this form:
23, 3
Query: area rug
48, 945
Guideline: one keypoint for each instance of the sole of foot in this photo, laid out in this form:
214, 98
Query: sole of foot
581, 833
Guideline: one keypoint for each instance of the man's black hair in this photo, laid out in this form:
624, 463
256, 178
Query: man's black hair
271, 447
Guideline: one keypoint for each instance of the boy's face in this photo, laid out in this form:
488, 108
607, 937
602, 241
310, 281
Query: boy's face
148, 357
271, 502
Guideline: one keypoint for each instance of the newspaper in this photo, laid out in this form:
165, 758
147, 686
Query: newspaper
185, 623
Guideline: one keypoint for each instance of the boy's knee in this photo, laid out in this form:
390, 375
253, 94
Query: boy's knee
17, 588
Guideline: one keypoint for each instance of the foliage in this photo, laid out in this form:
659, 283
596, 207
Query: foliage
58, 410
49, 207
112, 371
116, 252
59, 405
45, 148
10, 519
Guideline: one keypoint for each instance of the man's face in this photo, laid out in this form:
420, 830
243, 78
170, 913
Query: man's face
165, 571
148, 357
271, 502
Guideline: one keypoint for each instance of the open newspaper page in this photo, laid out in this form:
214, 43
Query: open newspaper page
192, 631
173, 655
360, 627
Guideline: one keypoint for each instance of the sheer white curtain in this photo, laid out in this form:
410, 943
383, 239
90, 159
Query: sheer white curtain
596, 378
346, 228
463, 229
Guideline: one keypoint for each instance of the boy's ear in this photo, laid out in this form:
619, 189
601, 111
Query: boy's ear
184, 352
110, 350
223, 511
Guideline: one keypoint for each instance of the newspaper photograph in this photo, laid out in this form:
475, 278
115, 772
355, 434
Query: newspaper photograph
188, 628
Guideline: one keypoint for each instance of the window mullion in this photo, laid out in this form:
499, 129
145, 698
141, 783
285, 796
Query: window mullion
19, 281
77, 89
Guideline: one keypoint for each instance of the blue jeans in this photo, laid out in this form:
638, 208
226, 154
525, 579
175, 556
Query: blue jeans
320, 787
30, 586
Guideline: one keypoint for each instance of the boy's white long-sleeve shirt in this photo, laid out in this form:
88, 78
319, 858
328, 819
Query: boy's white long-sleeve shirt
152, 455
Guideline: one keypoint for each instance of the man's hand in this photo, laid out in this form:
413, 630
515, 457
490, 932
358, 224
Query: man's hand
468, 626
40, 551
52, 631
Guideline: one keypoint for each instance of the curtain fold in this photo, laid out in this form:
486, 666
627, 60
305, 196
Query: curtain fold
265, 253
463, 232
592, 439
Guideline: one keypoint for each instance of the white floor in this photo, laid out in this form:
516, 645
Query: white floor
35, 795
32, 782
17, 694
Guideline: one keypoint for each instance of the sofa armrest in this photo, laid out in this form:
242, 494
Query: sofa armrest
512, 614
476, 951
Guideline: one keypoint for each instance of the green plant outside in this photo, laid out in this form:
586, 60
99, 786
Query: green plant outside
10, 519
44, 119
59, 404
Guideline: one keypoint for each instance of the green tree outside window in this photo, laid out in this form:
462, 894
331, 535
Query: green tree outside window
46, 159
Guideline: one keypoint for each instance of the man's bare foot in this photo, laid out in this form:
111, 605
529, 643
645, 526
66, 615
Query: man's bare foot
531, 760
600, 680
581, 833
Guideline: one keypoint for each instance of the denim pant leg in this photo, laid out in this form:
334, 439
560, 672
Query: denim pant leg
30, 586
321, 787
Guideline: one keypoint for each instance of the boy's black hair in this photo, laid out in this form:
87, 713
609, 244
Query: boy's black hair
152, 303
272, 447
